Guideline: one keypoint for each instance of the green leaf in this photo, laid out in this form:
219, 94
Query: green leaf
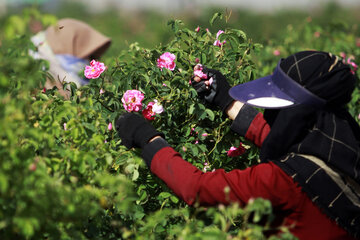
241, 34
203, 58
175, 25
174, 199
215, 17
135, 175
191, 109
3, 183
165, 195
210, 114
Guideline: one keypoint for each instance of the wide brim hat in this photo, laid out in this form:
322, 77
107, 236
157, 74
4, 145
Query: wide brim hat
77, 38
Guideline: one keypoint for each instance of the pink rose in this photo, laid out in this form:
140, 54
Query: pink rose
32, 167
199, 73
166, 60
152, 109
358, 42
132, 100
234, 152
197, 29
206, 167
353, 66
219, 33
217, 41
110, 126
94, 70
148, 114
276, 52
156, 107
317, 34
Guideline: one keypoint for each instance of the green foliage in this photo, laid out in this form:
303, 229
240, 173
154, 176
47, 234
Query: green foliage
64, 175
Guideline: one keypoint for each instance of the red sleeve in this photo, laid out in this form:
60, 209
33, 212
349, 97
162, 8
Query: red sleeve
251, 124
264, 180
258, 130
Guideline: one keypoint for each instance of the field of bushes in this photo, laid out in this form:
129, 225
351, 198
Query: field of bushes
63, 171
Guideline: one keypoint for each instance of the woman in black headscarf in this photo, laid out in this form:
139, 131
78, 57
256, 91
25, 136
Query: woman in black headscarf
310, 146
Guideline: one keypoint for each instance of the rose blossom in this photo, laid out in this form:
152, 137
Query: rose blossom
166, 60
353, 65
132, 100
276, 52
199, 73
234, 152
197, 29
349, 61
217, 41
219, 33
110, 126
317, 34
206, 167
156, 107
152, 109
94, 70
358, 42
32, 167
148, 114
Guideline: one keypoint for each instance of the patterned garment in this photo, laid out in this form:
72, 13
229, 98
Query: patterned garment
326, 164
319, 147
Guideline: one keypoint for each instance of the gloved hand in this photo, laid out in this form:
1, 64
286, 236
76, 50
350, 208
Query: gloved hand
134, 130
213, 87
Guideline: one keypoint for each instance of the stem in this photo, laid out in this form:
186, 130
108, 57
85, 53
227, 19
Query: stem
219, 138
102, 83
163, 204
109, 109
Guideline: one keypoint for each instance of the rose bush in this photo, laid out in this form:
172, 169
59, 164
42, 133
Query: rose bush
63, 171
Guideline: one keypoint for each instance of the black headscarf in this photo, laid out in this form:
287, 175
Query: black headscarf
329, 133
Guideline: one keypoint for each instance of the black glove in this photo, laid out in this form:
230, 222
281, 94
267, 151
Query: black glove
215, 93
134, 130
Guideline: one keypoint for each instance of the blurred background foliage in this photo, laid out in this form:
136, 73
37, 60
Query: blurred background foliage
149, 28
